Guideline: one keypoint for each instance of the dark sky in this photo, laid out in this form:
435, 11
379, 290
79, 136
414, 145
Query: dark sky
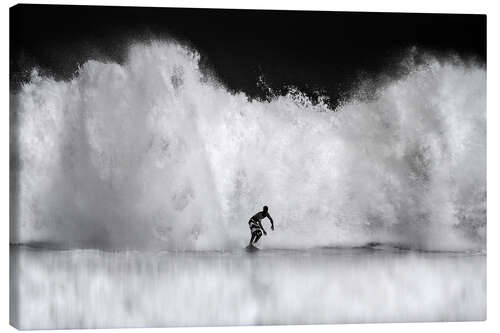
311, 50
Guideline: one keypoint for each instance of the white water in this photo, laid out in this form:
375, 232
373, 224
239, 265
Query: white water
96, 289
155, 154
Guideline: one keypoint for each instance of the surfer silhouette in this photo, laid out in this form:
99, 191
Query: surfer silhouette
256, 228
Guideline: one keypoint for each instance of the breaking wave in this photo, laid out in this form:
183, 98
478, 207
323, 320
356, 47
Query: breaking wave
154, 153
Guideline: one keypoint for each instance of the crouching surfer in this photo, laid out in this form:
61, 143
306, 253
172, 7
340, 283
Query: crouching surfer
256, 228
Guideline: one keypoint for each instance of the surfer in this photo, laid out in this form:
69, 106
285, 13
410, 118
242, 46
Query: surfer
256, 228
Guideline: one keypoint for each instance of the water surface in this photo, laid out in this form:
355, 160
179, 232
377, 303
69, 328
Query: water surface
96, 289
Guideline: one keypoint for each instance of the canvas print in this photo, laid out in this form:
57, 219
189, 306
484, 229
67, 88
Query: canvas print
211, 167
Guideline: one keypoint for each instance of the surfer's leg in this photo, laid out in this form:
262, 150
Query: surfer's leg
258, 234
252, 238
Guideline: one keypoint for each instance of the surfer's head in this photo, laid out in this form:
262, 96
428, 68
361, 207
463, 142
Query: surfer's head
265, 208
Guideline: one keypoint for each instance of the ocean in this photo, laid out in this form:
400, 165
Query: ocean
58, 289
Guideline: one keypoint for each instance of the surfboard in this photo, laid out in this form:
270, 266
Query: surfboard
251, 248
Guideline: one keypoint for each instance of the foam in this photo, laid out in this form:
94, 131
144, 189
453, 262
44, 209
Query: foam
154, 153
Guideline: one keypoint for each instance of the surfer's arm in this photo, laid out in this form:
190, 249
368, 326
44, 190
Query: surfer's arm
271, 219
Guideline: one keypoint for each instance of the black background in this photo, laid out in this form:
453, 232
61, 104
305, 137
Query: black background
325, 51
